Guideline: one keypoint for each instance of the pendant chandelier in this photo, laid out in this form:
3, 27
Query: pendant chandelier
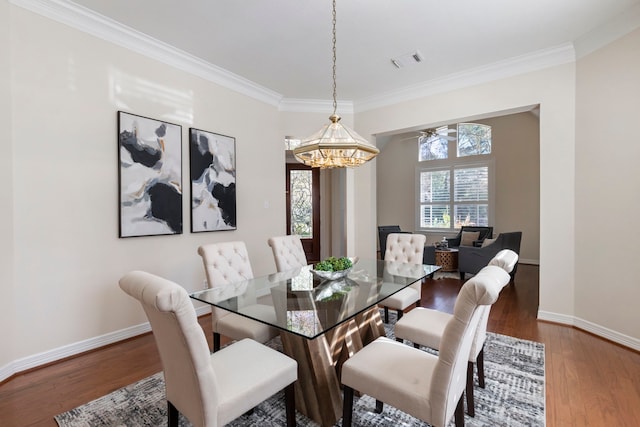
335, 145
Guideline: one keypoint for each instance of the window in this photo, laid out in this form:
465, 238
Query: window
466, 202
473, 139
434, 145
455, 190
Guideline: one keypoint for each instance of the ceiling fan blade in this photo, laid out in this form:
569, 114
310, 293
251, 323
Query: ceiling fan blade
445, 131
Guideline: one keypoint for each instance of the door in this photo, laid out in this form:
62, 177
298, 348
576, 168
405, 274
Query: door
303, 207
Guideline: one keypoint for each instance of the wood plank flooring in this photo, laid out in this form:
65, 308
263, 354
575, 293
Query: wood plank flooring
589, 381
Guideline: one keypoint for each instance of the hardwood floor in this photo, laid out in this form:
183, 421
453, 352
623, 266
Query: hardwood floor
589, 381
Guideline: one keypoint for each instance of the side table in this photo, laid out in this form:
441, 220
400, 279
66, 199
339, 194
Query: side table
447, 259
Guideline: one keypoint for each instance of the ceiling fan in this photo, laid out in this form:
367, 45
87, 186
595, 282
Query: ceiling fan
432, 133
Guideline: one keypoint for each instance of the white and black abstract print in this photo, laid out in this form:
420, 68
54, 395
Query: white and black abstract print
150, 153
213, 181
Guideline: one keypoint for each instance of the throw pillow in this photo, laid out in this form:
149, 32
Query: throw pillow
487, 242
468, 237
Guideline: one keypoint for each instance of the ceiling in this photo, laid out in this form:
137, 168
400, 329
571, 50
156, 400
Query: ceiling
285, 45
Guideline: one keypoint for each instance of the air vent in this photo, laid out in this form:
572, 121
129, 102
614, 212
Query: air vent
407, 60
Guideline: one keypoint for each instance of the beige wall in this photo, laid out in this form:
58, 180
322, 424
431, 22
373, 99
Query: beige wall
608, 186
7, 349
62, 259
554, 90
68, 257
515, 152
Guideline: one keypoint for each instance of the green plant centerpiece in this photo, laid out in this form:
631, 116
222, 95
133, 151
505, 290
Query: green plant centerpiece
333, 268
334, 264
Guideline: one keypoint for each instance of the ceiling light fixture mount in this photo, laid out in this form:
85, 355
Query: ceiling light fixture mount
335, 145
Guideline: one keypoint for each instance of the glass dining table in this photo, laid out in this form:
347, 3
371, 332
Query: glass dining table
321, 322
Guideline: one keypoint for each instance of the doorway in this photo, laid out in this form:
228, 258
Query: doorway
303, 207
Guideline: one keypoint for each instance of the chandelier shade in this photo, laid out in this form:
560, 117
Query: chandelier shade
335, 145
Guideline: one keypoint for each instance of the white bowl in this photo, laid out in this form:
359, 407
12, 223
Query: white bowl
331, 275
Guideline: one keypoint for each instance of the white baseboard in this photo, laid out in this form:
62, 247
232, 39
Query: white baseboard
43, 358
585, 325
59, 353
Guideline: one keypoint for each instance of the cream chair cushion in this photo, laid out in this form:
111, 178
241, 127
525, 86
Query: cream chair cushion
423, 385
209, 389
288, 252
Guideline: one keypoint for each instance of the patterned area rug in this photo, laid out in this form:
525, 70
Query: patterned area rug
513, 396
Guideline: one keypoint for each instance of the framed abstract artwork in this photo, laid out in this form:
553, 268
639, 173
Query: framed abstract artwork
213, 181
150, 176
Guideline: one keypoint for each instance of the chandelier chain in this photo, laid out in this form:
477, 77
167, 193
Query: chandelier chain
335, 102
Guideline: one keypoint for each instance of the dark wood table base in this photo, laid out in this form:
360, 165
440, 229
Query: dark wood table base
320, 361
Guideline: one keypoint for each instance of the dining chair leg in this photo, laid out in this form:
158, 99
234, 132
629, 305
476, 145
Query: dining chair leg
347, 406
400, 313
216, 342
173, 414
386, 315
458, 415
480, 363
379, 406
290, 405
469, 391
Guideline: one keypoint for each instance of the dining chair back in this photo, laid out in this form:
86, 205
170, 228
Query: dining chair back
424, 326
404, 248
226, 263
505, 259
288, 252
421, 384
208, 389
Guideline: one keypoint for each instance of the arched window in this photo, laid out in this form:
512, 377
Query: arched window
455, 190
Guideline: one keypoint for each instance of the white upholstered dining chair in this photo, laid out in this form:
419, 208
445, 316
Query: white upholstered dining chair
426, 327
421, 384
405, 248
226, 263
288, 252
209, 389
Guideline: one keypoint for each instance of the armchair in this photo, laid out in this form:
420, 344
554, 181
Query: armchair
472, 260
429, 256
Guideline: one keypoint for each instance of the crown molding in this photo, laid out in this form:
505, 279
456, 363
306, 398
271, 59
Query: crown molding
90, 22
534, 61
601, 36
87, 21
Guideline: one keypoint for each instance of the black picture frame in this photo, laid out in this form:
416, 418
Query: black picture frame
212, 165
149, 176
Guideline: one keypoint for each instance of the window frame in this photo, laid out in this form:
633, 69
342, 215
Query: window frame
482, 160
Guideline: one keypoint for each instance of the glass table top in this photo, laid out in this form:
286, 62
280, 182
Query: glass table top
298, 302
